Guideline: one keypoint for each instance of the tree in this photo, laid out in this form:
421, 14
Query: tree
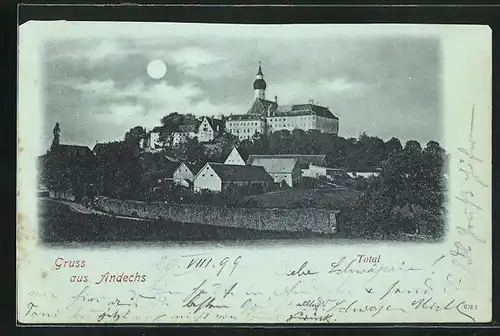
55, 140
407, 197
367, 154
135, 135
392, 145
225, 144
119, 171
192, 151
172, 122
413, 146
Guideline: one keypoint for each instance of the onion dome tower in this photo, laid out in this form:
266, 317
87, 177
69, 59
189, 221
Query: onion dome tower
259, 85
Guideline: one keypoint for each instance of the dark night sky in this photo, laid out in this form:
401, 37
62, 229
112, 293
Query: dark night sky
97, 86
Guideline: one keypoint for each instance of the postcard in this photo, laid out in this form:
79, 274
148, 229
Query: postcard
231, 173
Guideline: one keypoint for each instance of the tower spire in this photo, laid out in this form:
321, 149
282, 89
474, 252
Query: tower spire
260, 70
259, 85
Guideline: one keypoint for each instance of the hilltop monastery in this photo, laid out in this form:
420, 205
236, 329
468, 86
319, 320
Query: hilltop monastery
263, 117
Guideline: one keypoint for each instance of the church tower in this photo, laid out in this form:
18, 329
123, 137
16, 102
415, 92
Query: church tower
259, 85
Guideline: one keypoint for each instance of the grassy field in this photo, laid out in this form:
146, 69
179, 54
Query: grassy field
59, 225
297, 197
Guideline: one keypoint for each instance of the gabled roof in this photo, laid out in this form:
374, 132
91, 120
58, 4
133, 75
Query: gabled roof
304, 109
71, 156
276, 165
215, 122
243, 153
262, 106
194, 168
74, 151
102, 148
237, 173
302, 160
235, 150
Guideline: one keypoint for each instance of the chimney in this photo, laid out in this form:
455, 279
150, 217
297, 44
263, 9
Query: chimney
276, 99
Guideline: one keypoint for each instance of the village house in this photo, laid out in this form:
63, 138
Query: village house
152, 141
303, 161
282, 170
159, 137
185, 133
220, 177
185, 173
209, 129
235, 158
316, 171
68, 172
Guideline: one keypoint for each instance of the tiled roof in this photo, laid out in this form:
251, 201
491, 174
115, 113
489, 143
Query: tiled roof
216, 122
244, 117
240, 173
304, 109
302, 160
261, 106
194, 168
276, 165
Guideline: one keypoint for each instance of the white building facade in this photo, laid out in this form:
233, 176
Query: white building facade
219, 177
303, 116
244, 127
207, 179
281, 170
209, 129
182, 137
184, 172
234, 158
154, 140
265, 116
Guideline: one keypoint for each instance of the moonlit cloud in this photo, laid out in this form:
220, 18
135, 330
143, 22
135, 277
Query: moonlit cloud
97, 86
191, 58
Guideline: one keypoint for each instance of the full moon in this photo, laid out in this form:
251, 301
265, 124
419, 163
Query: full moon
156, 69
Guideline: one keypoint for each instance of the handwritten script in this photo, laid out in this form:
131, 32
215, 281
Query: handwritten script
205, 288
470, 192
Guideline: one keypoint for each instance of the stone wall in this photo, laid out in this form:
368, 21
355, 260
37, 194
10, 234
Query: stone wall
305, 219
